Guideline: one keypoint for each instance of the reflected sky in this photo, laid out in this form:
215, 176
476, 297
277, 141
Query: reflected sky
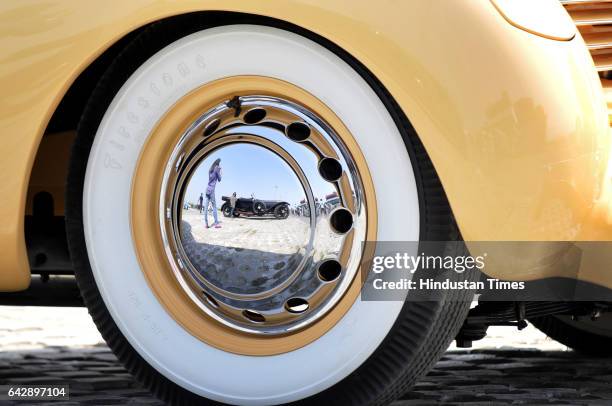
251, 169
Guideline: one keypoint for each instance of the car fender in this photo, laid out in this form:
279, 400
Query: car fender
505, 115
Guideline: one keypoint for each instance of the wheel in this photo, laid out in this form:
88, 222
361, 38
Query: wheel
281, 211
193, 338
226, 210
587, 336
259, 208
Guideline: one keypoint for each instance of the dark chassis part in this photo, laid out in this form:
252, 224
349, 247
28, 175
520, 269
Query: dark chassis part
46, 290
494, 313
46, 239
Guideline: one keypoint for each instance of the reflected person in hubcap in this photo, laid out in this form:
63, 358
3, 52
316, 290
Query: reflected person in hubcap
214, 176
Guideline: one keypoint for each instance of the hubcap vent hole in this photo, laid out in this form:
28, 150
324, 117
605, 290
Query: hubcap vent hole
296, 305
329, 270
298, 131
330, 169
211, 128
341, 221
254, 316
254, 116
211, 300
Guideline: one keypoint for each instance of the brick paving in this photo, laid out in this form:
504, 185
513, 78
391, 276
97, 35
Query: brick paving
226, 256
61, 346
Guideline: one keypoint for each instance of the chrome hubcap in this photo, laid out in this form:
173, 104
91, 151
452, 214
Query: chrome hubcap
289, 244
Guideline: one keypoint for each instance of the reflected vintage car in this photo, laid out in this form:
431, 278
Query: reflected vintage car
256, 207
431, 120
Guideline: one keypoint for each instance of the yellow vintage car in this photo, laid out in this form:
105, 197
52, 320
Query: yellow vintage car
124, 123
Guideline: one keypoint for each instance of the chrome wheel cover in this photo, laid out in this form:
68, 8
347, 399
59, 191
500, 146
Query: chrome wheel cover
284, 272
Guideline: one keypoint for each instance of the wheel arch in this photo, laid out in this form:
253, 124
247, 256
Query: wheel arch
65, 114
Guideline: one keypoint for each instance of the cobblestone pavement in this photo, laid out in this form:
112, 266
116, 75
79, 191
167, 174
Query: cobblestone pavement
225, 256
61, 346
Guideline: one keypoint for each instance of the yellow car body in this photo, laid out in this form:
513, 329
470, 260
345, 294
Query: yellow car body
516, 126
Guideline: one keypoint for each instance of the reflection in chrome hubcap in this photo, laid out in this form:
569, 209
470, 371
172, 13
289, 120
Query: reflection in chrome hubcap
289, 242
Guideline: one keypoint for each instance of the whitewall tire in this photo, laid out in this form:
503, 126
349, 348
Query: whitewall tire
120, 116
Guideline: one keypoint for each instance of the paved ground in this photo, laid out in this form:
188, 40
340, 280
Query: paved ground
251, 255
225, 256
61, 346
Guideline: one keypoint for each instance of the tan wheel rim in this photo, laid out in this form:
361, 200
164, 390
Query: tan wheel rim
156, 219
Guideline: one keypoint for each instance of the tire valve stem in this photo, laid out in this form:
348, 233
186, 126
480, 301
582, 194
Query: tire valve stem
236, 104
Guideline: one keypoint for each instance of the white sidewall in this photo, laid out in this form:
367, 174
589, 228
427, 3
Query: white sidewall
166, 77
